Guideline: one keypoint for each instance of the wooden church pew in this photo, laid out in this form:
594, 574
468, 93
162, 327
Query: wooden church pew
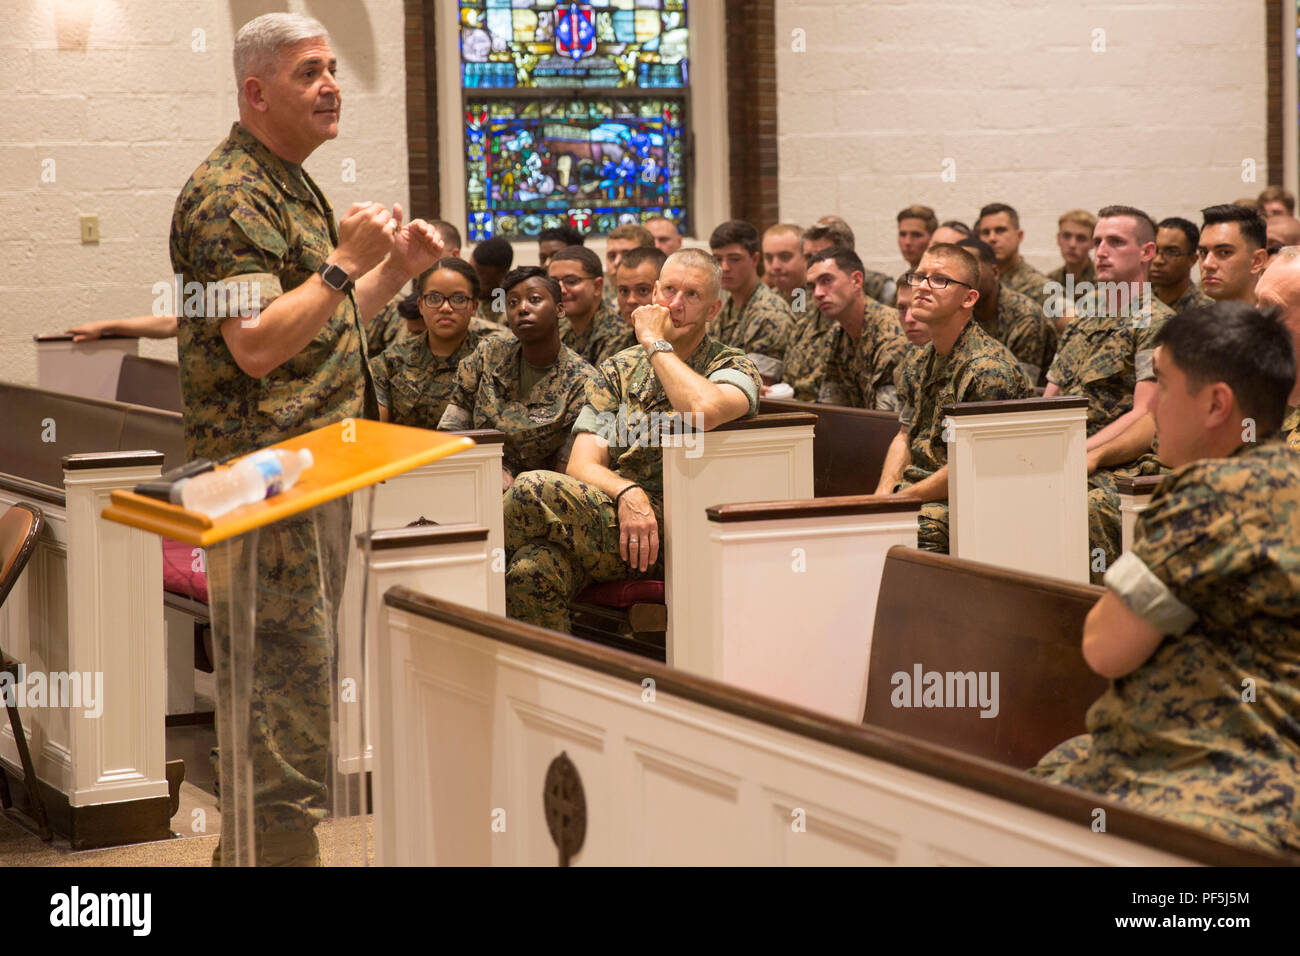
1134, 495
504, 726
1017, 484
765, 458
88, 369
947, 615
795, 586
849, 445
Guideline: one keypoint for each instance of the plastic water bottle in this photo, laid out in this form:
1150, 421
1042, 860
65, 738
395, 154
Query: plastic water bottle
257, 476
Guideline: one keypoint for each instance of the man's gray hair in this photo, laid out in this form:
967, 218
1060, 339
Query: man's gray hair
1287, 254
699, 259
259, 41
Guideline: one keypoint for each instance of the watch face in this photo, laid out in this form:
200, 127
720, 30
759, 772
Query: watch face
334, 276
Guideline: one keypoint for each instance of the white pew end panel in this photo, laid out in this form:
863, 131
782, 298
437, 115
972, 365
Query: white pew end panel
1018, 484
767, 458
795, 586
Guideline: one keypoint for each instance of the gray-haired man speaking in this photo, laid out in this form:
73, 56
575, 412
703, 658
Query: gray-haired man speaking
251, 219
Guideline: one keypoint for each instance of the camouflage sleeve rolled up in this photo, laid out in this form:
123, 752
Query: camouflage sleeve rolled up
1189, 546
232, 238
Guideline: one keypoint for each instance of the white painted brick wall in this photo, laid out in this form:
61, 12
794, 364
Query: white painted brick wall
114, 93
1013, 92
1010, 89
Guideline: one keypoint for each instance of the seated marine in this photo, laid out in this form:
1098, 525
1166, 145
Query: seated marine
603, 520
414, 377
529, 385
1199, 629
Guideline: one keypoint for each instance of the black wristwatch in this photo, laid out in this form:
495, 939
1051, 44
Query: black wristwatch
335, 278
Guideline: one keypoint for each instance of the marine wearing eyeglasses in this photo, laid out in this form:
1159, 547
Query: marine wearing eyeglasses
961, 363
589, 326
1171, 269
414, 378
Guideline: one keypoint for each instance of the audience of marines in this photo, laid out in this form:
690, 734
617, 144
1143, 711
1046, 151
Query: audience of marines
1198, 383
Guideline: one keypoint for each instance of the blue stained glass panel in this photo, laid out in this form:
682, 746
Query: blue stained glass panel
594, 164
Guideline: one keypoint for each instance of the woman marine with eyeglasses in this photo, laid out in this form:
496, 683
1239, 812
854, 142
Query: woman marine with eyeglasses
414, 377
530, 385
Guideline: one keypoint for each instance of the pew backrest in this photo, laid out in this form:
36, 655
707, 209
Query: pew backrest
849, 445
153, 383
42, 427
943, 615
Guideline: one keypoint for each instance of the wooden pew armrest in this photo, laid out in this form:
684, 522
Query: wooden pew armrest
1143, 486
814, 508
1056, 403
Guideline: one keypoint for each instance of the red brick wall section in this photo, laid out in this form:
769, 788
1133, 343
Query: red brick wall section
422, 109
1273, 18
751, 113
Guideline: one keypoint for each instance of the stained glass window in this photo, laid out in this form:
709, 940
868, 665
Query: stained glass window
574, 113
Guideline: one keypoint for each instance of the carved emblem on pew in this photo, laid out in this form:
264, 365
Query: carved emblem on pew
565, 805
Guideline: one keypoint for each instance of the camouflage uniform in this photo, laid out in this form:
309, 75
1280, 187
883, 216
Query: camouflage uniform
760, 327
978, 369
807, 350
1204, 731
1019, 324
1089, 274
486, 395
860, 374
1102, 358
625, 339
1193, 298
387, 327
1027, 280
247, 214
561, 533
486, 321
880, 287
414, 384
1291, 427
601, 339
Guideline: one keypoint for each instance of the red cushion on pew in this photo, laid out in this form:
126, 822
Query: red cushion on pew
623, 593
179, 576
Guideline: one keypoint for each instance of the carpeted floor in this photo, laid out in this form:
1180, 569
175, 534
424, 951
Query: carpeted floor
195, 824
